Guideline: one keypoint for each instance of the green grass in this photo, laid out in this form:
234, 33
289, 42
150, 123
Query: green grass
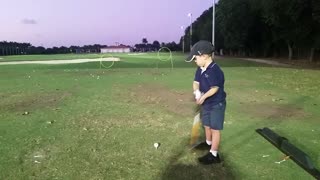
47, 57
92, 123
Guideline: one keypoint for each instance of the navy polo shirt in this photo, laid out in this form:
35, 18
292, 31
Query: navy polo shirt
212, 76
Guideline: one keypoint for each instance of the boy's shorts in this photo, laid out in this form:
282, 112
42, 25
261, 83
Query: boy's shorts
213, 115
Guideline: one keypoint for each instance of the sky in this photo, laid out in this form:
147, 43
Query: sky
58, 23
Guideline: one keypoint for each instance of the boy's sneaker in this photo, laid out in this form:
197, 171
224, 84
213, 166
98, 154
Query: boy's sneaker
209, 159
202, 146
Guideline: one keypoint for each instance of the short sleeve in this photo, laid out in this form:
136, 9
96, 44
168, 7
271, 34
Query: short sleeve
197, 75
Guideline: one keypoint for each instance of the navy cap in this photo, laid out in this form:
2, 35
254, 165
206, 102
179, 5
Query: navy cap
200, 48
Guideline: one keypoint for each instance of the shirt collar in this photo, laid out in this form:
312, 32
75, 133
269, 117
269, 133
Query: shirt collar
211, 65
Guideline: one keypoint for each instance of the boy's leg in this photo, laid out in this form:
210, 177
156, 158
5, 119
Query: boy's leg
215, 139
208, 133
216, 124
205, 145
205, 117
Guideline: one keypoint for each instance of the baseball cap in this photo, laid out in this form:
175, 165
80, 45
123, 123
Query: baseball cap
200, 48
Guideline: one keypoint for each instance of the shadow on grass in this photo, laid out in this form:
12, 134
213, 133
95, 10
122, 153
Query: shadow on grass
177, 170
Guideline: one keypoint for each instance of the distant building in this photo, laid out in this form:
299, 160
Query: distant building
116, 49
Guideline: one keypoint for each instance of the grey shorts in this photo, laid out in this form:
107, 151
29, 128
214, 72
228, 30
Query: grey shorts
213, 115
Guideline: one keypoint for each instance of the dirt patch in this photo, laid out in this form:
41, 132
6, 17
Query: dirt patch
30, 102
178, 102
271, 111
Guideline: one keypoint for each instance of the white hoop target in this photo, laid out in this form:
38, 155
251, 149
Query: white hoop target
102, 59
167, 56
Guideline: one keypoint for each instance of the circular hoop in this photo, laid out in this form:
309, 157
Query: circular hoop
170, 54
165, 59
101, 62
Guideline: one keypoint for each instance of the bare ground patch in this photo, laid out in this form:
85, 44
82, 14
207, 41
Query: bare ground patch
34, 101
177, 102
274, 111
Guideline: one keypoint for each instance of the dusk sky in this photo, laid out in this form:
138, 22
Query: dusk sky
82, 22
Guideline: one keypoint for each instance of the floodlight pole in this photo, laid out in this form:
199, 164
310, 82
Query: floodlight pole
213, 20
190, 16
182, 28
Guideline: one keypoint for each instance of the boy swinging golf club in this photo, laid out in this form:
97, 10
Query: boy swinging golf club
208, 88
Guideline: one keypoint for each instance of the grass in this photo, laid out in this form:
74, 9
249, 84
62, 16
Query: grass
92, 123
47, 57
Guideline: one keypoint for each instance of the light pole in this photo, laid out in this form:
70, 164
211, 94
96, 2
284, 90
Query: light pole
182, 28
213, 19
190, 16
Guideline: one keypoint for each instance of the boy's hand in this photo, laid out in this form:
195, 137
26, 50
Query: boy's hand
197, 94
201, 100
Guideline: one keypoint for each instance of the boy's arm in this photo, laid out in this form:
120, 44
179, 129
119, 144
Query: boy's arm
215, 78
195, 86
209, 93
196, 91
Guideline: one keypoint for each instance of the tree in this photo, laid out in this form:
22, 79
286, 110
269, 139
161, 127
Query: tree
1, 48
156, 45
235, 19
287, 19
261, 27
144, 40
173, 46
315, 34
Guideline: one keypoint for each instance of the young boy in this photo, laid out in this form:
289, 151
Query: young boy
208, 87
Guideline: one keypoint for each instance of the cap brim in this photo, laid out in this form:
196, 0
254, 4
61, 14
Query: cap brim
190, 58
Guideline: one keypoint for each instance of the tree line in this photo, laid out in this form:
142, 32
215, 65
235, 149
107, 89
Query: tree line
261, 28
155, 46
15, 48
11, 48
